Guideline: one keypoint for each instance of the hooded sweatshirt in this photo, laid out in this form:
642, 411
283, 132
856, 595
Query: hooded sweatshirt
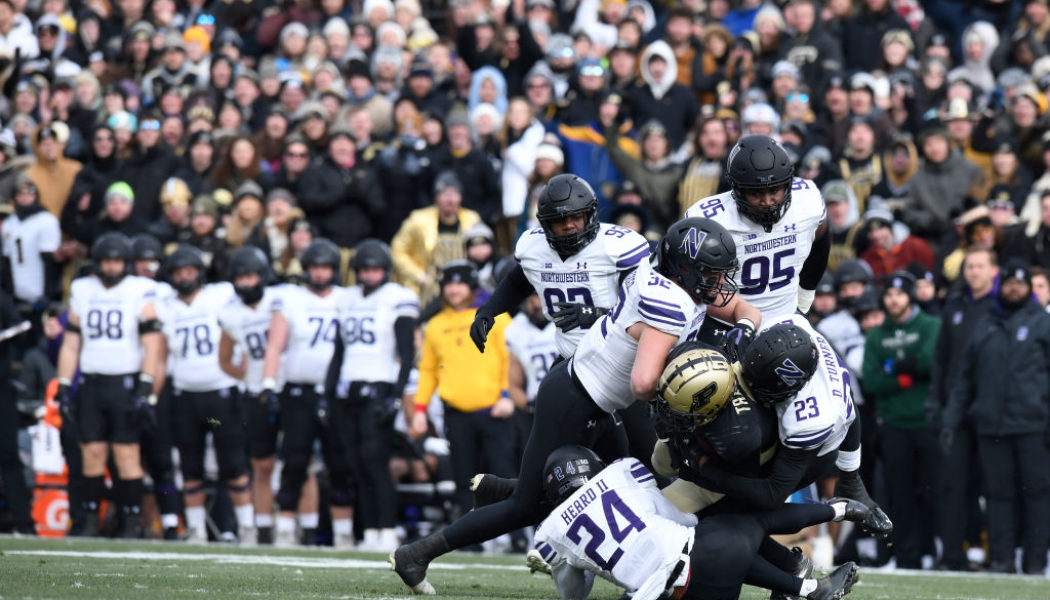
977, 71
670, 103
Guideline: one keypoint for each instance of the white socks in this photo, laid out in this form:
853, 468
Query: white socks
285, 524
309, 520
245, 515
263, 519
195, 518
342, 526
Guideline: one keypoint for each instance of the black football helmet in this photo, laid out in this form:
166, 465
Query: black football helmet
372, 253
566, 195
321, 253
112, 246
246, 260
700, 256
850, 271
778, 364
460, 270
758, 162
185, 256
867, 302
146, 247
568, 469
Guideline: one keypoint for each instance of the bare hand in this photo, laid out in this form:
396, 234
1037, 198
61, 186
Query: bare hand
419, 426
503, 408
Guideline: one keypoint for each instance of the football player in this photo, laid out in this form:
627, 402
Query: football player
157, 442
245, 323
533, 351
618, 360
573, 262
613, 522
204, 398
30, 238
305, 329
778, 223
112, 336
374, 356
793, 369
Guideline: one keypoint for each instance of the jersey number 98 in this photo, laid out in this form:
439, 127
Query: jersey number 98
106, 324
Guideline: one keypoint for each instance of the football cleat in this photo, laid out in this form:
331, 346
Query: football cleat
248, 536
836, 584
410, 561
487, 488
850, 485
344, 541
536, 564
285, 539
870, 519
196, 536
803, 570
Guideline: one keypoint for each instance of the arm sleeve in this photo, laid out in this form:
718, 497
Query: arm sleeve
816, 263
52, 277
331, 380
785, 473
405, 338
511, 292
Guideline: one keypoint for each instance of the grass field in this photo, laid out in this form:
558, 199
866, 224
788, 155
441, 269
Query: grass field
31, 568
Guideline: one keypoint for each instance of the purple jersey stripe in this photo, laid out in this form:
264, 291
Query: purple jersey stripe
658, 302
662, 320
806, 443
668, 313
635, 249
633, 259
814, 434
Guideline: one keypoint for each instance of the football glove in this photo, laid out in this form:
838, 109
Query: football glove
322, 412
146, 404
269, 398
479, 329
738, 339
571, 315
386, 410
65, 403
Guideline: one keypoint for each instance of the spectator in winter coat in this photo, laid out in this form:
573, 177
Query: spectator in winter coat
862, 34
470, 164
943, 181
52, 174
655, 174
892, 250
844, 221
340, 196
660, 97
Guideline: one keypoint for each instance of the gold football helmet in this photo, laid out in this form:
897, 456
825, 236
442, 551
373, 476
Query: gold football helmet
694, 387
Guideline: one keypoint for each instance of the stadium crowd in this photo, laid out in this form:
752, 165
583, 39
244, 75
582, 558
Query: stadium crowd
400, 147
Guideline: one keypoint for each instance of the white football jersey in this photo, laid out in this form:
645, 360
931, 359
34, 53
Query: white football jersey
591, 276
313, 324
24, 242
367, 326
193, 334
770, 263
820, 414
109, 323
604, 359
619, 527
249, 329
536, 349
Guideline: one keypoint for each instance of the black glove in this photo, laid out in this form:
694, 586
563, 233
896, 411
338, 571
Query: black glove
65, 404
387, 409
738, 339
571, 315
323, 412
272, 402
479, 329
947, 438
146, 406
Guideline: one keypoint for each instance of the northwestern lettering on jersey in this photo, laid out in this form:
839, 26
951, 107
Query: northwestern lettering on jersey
565, 277
786, 240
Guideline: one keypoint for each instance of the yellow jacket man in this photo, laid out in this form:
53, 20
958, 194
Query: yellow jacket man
432, 236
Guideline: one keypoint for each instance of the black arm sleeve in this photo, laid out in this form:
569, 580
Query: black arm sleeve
785, 473
331, 380
7, 284
52, 277
510, 292
405, 337
817, 261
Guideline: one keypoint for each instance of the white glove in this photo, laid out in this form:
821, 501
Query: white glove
436, 446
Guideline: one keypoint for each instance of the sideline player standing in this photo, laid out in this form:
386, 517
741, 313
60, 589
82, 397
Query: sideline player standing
204, 398
778, 223
30, 238
374, 357
113, 336
618, 360
245, 323
305, 329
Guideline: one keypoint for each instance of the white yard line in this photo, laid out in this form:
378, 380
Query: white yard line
252, 559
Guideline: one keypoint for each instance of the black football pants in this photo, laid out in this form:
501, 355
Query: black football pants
911, 459
565, 414
1015, 467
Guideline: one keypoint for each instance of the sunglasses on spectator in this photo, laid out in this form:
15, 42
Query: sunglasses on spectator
592, 71
151, 125
48, 29
566, 52
798, 97
206, 19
